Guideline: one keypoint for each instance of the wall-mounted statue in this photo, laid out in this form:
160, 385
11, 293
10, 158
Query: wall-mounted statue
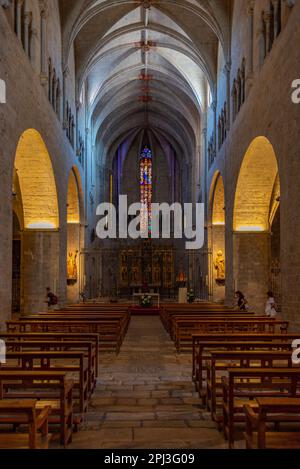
72, 271
219, 265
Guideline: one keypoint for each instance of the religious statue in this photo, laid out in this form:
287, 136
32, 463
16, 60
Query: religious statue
219, 265
72, 274
124, 274
156, 274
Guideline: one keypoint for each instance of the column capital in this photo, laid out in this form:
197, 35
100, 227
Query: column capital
6, 3
27, 17
43, 7
227, 67
250, 7
214, 105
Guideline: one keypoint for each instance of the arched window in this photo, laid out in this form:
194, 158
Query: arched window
53, 101
146, 189
57, 98
234, 100
50, 80
243, 77
239, 91
272, 25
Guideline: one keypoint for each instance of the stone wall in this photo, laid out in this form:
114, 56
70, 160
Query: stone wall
28, 107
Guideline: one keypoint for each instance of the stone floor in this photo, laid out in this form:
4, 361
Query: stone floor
145, 397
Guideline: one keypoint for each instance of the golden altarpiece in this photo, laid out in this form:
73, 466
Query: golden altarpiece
147, 264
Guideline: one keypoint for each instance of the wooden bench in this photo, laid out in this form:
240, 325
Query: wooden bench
285, 409
222, 360
72, 363
110, 336
88, 348
184, 330
54, 336
191, 319
206, 348
199, 339
25, 413
243, 385
50, 388
167, 313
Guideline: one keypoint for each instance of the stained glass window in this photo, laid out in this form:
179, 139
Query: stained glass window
146, 189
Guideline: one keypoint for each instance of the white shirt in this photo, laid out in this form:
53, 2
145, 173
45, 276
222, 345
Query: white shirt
270, 308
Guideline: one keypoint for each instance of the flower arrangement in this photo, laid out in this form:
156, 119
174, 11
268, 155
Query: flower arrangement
191, 296
146, 301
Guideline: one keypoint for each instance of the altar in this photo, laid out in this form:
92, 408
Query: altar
137, 297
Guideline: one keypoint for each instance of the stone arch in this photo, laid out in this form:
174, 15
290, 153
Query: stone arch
255, 186
256, 204
217, 238
75, 235
37, 182
36, 204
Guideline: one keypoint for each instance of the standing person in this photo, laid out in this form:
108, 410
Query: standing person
241, 301
52, 299
270, 310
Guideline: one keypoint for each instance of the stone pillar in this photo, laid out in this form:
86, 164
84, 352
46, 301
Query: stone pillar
250, 62
40, 268
251, 267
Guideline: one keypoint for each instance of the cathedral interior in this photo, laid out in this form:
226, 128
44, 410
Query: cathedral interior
169, 102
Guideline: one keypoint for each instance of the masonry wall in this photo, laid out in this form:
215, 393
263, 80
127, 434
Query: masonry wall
28, 107
268, 111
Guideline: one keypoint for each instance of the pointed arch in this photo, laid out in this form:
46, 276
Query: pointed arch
255, 186
37, 182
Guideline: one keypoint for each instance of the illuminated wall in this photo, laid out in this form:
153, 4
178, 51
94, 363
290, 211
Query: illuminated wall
37, 184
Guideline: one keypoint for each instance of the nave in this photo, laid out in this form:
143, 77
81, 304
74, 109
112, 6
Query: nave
145, 397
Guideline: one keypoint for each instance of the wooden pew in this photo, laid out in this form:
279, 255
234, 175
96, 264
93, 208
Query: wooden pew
286, 410
88, 348
121, 319
73, 363
25, 413
206, 348
243, 385
222, 360
205, 338
54, 336
51, 388
110, 336
184, 330
167, 313
192, 318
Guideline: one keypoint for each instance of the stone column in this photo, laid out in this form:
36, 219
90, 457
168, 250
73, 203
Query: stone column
251, 266
40, 268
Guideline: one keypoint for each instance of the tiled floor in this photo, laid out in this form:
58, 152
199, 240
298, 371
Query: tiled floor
145, 397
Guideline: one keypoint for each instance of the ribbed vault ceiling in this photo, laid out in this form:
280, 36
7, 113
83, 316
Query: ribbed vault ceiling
146, 63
